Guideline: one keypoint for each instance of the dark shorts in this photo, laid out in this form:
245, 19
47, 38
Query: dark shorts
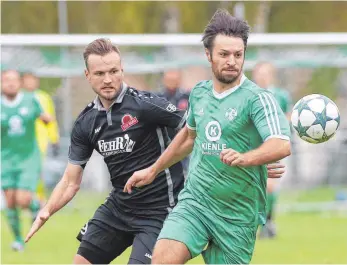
110, 232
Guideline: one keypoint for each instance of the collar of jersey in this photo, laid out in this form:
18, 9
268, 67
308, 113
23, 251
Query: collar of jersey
229, 90
12, 103
98, 105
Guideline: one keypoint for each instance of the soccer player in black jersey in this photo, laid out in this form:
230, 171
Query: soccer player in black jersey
129, 129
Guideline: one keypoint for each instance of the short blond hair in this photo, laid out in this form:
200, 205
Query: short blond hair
101, 47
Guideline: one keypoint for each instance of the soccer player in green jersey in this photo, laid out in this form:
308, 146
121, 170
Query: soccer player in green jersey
233, 129
264, 75
20, 156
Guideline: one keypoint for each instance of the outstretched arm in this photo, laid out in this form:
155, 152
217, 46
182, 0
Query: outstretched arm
64, 191
180, 147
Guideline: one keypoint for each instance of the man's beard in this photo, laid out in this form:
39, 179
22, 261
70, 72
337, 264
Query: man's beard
108, 96
225, 79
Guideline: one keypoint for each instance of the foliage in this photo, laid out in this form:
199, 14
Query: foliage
148, 17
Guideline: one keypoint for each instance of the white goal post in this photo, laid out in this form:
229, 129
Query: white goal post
256, 39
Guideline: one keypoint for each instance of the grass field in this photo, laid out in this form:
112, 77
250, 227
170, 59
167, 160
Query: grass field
303, 237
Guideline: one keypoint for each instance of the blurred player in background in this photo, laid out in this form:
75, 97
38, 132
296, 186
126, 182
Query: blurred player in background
264, 75
45, 133
20, 155
233, 128
172, 92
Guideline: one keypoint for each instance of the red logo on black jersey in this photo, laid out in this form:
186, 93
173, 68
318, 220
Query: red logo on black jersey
128, 121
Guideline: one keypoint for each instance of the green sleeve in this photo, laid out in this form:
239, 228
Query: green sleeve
190, 116
268, 117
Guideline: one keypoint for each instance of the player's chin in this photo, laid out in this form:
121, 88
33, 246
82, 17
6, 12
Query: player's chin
230, 77
109, 95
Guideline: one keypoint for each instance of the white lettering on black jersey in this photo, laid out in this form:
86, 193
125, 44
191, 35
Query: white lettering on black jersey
131, 135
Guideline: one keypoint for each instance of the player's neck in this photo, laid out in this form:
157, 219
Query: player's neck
10, 97
220, 87
106, 103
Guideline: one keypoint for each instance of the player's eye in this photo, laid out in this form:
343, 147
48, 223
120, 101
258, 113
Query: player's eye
223, 54
99, 73
113, 72
238, 55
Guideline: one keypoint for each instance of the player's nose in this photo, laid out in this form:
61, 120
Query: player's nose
107, 79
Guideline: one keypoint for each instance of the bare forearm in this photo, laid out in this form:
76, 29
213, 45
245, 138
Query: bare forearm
180, 147
270, 151
61, 195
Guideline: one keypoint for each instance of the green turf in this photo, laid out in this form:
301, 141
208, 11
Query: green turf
303, 238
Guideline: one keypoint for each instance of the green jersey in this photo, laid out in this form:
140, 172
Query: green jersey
18, 140
241, 118
283, 98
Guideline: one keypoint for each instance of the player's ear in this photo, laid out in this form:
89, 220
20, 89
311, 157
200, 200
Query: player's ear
86, 72
122, 71
208, 54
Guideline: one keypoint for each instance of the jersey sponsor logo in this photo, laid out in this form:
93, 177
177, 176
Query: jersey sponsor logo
212, 148
213, 131
171, 107
128, 121
148, 256
97, 130
231, 114
121, 144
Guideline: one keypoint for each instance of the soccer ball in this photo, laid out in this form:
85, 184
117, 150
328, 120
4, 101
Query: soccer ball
315, 118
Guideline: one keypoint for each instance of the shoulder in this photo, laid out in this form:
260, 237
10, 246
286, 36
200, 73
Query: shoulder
41, 93
30, 96
86, 115
285, 93
255, 95
143, 97
183, 95
251, 88
201, 88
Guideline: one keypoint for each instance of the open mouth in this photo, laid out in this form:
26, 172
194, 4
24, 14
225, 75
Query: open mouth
108, 89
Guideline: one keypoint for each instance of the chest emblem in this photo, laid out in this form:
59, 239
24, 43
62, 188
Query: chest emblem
128, 121
231, 114
23, 111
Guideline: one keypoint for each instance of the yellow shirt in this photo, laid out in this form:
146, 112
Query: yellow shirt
46, 133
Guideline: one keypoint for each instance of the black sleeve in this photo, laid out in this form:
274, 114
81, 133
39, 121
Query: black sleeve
159, 111
80, 148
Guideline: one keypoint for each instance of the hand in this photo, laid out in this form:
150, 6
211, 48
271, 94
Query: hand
275, 170
233, 158
41, 219
140, 178
46, 118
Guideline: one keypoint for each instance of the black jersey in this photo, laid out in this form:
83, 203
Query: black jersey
131, 135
